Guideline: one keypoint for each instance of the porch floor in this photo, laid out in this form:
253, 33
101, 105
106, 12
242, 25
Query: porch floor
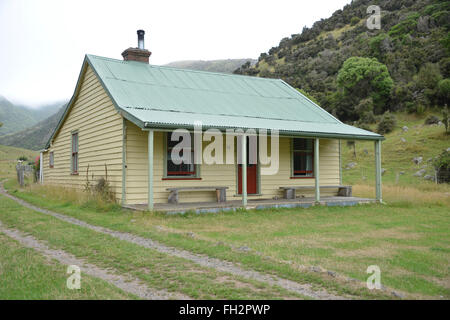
200, 207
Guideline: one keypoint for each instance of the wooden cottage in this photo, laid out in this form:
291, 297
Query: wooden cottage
123, 112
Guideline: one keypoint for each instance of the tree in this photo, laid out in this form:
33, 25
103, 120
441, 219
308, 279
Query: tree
427, 80
444, 89
387, 123
361, 78
445, 118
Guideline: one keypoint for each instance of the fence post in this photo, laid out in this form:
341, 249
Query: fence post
20, 174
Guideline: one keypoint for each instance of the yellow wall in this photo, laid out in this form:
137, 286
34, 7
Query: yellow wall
100, 130
100, 139
214, 175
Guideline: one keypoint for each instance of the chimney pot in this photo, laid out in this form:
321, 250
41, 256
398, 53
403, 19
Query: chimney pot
137, 54
141, 34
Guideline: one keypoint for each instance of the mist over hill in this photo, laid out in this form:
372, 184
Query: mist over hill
16, 117
36, 136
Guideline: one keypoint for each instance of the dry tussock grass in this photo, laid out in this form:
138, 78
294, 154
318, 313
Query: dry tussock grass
428, 194
70, 195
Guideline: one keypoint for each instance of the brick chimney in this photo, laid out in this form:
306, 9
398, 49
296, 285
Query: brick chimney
137, 54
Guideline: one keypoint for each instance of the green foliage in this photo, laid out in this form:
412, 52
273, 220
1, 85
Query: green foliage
413, 34
366, 77
429, 76
446, 118
354, 21
375, 43
22, 158
306, 94
442, 161
405, 26
444, 89
387, 123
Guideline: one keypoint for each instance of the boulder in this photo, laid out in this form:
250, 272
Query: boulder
397, 294
351, 165
405, 129
417, 160
419, 173
403, 140
244, 249
332, 273
428, 177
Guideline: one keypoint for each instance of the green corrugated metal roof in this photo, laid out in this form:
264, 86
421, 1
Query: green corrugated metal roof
155, 96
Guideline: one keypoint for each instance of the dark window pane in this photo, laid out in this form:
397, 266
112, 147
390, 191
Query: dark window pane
183, 169
303, 157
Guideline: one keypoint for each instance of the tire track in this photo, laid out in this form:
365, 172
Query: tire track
200, 259
126, 283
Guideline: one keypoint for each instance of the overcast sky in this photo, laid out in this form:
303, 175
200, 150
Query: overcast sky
43, 42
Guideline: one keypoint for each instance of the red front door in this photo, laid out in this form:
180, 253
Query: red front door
251, 179
252, 172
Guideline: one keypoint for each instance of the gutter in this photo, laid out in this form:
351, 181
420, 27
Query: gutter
149, 126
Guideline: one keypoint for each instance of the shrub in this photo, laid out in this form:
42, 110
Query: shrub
366, 77
368, 118
432, 120
442, 165
101, 190
363, 126
444, 89
442, 161
22, 158
446, 118
354, 21
387, 123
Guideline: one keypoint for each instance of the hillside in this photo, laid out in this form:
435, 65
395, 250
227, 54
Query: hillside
8, 159
411, 138
413, 44
225, 66
36, 136
17, 117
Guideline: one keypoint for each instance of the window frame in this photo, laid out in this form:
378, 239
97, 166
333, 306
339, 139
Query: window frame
295, 174
51, 159
173, 176
74, 158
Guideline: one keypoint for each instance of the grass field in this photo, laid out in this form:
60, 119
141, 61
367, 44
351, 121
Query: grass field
408, 237
26, 274
8, 159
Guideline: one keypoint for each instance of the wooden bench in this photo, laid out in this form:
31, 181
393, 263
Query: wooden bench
343, 191
221, 192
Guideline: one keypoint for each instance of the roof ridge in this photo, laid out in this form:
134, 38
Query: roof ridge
188, 70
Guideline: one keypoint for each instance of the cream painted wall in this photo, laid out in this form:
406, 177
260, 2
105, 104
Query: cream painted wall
99, 128
215, 175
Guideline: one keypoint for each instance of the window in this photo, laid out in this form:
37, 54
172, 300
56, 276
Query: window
75, 153
51, 159
302, 157
187, 170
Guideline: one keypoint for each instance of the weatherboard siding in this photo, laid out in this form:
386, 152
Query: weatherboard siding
99, 128
215, 175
